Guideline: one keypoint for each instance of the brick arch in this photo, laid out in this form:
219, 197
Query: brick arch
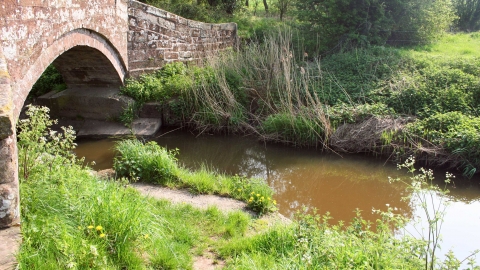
75, 54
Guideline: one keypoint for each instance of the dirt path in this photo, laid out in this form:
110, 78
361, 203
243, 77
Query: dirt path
199, 201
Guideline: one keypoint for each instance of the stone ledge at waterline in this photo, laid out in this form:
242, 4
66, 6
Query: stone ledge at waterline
92, 112
98, 129
100, 103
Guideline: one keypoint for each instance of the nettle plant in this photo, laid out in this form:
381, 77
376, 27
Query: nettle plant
39, 145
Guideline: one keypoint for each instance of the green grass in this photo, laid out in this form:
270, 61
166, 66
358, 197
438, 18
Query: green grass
61, 209
149, 162
454, 45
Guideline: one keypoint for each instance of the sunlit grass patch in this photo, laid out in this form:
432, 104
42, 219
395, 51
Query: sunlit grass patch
451, 45
149, 162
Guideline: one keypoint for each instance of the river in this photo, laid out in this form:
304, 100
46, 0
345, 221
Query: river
315, 179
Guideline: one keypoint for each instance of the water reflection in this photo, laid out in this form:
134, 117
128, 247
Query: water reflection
325, 181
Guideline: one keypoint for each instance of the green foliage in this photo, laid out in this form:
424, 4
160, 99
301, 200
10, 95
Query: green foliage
343, 113
297, 129
41, 146
162, 85
456, 132
212, 11
71, 219
350, 76
430, 85
130, 113
251, 28
357, 21
374, 22
312, 243
50, 80
255, 192
468, 12
147, 162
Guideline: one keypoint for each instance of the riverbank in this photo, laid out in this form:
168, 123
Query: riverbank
396, 102
73, 219
303, 177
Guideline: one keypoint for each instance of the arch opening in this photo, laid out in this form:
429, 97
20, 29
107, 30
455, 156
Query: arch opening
83, 66
92, 86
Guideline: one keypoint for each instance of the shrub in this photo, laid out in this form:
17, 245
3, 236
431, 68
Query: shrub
148, 162
457, 133
374, 22
162, 85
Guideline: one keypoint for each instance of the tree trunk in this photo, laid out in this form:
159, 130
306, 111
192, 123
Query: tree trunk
265, 5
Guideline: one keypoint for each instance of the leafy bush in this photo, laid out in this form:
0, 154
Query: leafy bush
162, 85
457, 133
147, 162
363, 23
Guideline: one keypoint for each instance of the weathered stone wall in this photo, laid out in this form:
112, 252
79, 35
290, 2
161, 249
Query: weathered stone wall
9, 193
156, 37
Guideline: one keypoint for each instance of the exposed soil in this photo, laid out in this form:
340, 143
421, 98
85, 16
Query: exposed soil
183, 196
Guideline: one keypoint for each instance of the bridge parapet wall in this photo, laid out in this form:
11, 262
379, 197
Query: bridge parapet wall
156, 37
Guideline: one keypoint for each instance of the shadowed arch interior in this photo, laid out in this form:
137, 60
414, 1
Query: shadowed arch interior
83, 66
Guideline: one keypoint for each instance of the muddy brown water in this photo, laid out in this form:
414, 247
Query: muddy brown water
313, 179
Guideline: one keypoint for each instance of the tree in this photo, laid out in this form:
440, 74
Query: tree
364, 22
339, 20
468, 12
265, 4
283, 6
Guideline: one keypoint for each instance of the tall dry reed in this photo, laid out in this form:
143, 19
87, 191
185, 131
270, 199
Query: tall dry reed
273, 81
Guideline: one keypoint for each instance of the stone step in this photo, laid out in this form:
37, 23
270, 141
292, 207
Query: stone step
99, 103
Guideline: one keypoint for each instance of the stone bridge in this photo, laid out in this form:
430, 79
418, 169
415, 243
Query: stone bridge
94, 44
